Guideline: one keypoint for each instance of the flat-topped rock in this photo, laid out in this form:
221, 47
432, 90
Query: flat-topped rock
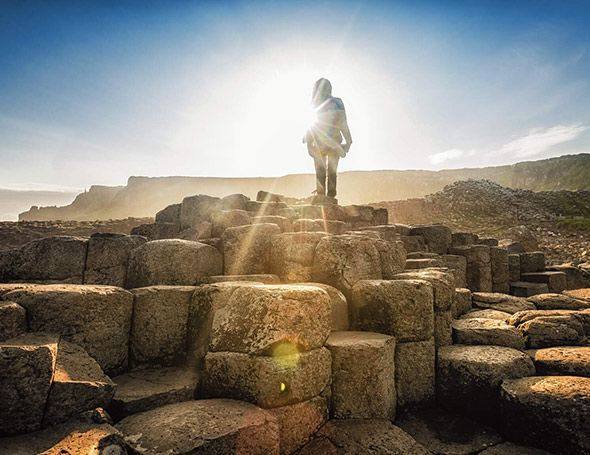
223, 219
556, 281
555, 301
527, 289
546, 328
203, 426
552, 412
437, 237
562, 360
198, 208
148, 388
481, 331
582, 294
500, 302
532, 262
338, 306
292, 255
462, 302
247, 249
265, 278
443, 286
13, 320
487, 314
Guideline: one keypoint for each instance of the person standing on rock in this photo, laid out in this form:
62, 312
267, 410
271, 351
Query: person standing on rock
324, 138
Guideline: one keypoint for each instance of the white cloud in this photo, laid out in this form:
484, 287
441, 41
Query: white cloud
447, 155
539, 140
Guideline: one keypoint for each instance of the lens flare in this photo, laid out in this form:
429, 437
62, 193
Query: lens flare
286, 354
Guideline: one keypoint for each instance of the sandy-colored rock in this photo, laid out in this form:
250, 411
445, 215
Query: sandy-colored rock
159, 327
169, 214
298, 422
339, 306
172, 262
414, 372
423, 263
478, 331
148, 388
443, 330
281, 221
562, 360
554, 301
263, 278
223, 219
267, 381
445, 433
437, 237
543, 329
582, 294
195, 209
479, 268
78, 385
500, 302
472, 374
414, 243
576, 277
157, 231
247, 249
402, 308
26, 370
556, 281
108, 258
235, 201
13, 320
443, 285
265, 318
97, 318
461, 303
457, 265
363, 384
548, 411
487, 314
344, 260
292, 255
200, 232
207, 427
500, 269
393, 257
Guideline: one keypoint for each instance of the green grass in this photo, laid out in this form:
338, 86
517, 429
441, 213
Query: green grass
582, 224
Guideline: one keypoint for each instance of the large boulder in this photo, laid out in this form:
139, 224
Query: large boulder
195, 209
206, 427
472, 374
338, 304
393, 257
575, 277
247, 249
554, 301
343, 260
235, 201
59, 258
478, 331
78, 385
552, 329
562, 360
160, 318
552, 412
363, 384
437, 237
169, 214
402, 308
13, 320
263, 319
414, 372
108, 258
292, 255
267, 381
97, 318
172, 262
27, 363
443, 285
224, 219
281, 221
156, 231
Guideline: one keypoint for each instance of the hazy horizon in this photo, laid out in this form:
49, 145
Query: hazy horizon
95, 93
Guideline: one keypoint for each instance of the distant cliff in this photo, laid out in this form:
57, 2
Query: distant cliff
144, 196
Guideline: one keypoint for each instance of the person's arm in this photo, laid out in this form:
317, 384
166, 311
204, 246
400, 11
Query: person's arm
345, 130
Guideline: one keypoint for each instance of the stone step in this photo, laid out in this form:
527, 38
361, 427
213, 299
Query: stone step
556, 281
356, 395
486, 314
260, 278
148, 388
423, 263
480, 331
13, 320
527, 289
547, 328
500, 302
558, 302
563, 360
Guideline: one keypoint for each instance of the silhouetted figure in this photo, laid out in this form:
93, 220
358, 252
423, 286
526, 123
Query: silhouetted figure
324, 138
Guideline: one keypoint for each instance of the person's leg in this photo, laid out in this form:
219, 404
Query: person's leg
319, 160
333, 159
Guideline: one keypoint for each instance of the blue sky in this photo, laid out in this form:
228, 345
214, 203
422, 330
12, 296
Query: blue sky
93, 92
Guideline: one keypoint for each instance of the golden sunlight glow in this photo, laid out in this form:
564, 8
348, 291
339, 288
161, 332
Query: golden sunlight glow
286, 354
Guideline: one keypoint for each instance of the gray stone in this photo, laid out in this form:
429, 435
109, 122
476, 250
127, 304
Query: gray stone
478, 331
156, 231
437, 237
414, 372
479, 269
264, 278
500, 302
443, 285
443, 331
207, 427
532, 262
508, 448
556, 281
13, 320
513, 246
464, 238
423, 263
414, 243
292, 255
200, 232
462, 302
524, 289
247, 249
223, 219
393, 257
550, 329
339, 306
487, 314
489, 241
576, 278
169, 214
282, 222
234, 201
500, 269
356, 393
458, 266
195, 209
514, 267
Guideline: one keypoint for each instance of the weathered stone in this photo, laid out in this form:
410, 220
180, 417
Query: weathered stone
443, 331
59, 258
402, 308
207, 427
414, 372
195, 209
423, 255
500, 302
282, 222
108, 258
414, 243
97, 318
292, 255
247, 249
423, 263
264, 278
479, 269
548, 411
172, 262
556, 281
532, 262
26, 371
169, 214
542, 331
365, 232
380, 216
393, 257
513, 267
437, 237
264, 320
500, 269
458, 267
524, 289
158, 330
461, 303
472, 374
513, 246
478, 331
443, 285
557, 302
5, 288
223, 219
288, 212
363, 384
13, 320
463, 238
582, 294
78, 385
338, 304
266, 381
343, 260
562, 360
389, 232
298, 422
489, 241
143, 389
444, 433
359, 212
200, 232
234, 202
508, 448
156, 231
487, 314
576, 278
368, 437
